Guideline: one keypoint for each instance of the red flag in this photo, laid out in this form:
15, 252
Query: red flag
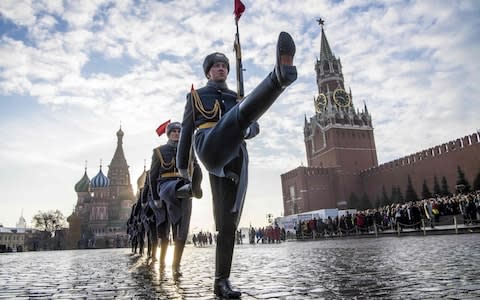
239, 8
162, 128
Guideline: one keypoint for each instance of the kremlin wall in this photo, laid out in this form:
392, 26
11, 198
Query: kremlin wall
441, 160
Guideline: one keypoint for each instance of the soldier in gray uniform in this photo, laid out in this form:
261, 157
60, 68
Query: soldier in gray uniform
172, 191
153, 218
216, 125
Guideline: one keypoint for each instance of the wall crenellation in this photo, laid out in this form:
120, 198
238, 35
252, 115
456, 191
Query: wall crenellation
430, 153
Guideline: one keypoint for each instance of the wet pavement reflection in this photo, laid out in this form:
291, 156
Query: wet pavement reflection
431, 267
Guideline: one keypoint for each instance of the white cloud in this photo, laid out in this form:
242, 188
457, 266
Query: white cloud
81, 16
21, 12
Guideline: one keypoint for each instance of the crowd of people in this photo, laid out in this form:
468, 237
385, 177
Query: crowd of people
426, 212
202, 239
269, 235
261, 235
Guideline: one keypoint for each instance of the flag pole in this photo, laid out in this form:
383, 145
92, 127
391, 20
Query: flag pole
238, 10
238, 54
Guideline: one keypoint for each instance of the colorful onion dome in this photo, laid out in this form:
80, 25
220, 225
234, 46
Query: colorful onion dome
83, 184
100, 180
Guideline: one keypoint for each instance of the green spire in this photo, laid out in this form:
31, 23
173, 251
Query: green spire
325, 51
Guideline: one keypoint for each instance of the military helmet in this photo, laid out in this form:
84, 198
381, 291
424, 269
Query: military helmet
212, 59
173, 125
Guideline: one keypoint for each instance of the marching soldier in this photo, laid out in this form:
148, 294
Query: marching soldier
219, 125
151, 216
170, 190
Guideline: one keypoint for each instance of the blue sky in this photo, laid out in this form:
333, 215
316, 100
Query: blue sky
71, 73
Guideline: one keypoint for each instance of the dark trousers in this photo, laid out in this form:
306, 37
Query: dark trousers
223, 193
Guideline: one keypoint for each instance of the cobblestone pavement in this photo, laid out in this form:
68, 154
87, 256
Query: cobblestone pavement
431, 267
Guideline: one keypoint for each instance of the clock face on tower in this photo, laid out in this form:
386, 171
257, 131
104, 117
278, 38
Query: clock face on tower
320, 103
341, 98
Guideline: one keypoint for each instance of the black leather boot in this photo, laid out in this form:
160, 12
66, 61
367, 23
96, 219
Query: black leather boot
223, 263
197, 183
223, 289
190, 190
163, 252
152, 243
262, 97
286, 73
153, 252
194, 188
177, 258
141, 249
134, 245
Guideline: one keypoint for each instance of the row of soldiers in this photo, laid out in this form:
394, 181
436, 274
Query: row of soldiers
164, 203
216, 123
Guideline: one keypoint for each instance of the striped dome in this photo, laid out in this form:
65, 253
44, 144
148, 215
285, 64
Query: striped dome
83, 184
100, 180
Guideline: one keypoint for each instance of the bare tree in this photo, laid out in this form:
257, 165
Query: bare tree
49, 221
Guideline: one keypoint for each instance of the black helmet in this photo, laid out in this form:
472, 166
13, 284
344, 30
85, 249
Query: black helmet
212, 59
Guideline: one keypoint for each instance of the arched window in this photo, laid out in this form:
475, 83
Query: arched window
335, 67
326, 67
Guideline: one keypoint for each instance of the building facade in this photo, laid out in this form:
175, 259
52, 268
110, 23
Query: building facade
12, 239
103, 205
342, 157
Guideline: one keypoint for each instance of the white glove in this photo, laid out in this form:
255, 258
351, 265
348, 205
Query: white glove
247, 133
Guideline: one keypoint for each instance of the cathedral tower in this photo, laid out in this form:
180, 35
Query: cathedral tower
103, 205
121, 191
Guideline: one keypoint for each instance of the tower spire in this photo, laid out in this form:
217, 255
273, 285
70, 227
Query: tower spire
119, 157
325, 51
118, 168
365, 107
